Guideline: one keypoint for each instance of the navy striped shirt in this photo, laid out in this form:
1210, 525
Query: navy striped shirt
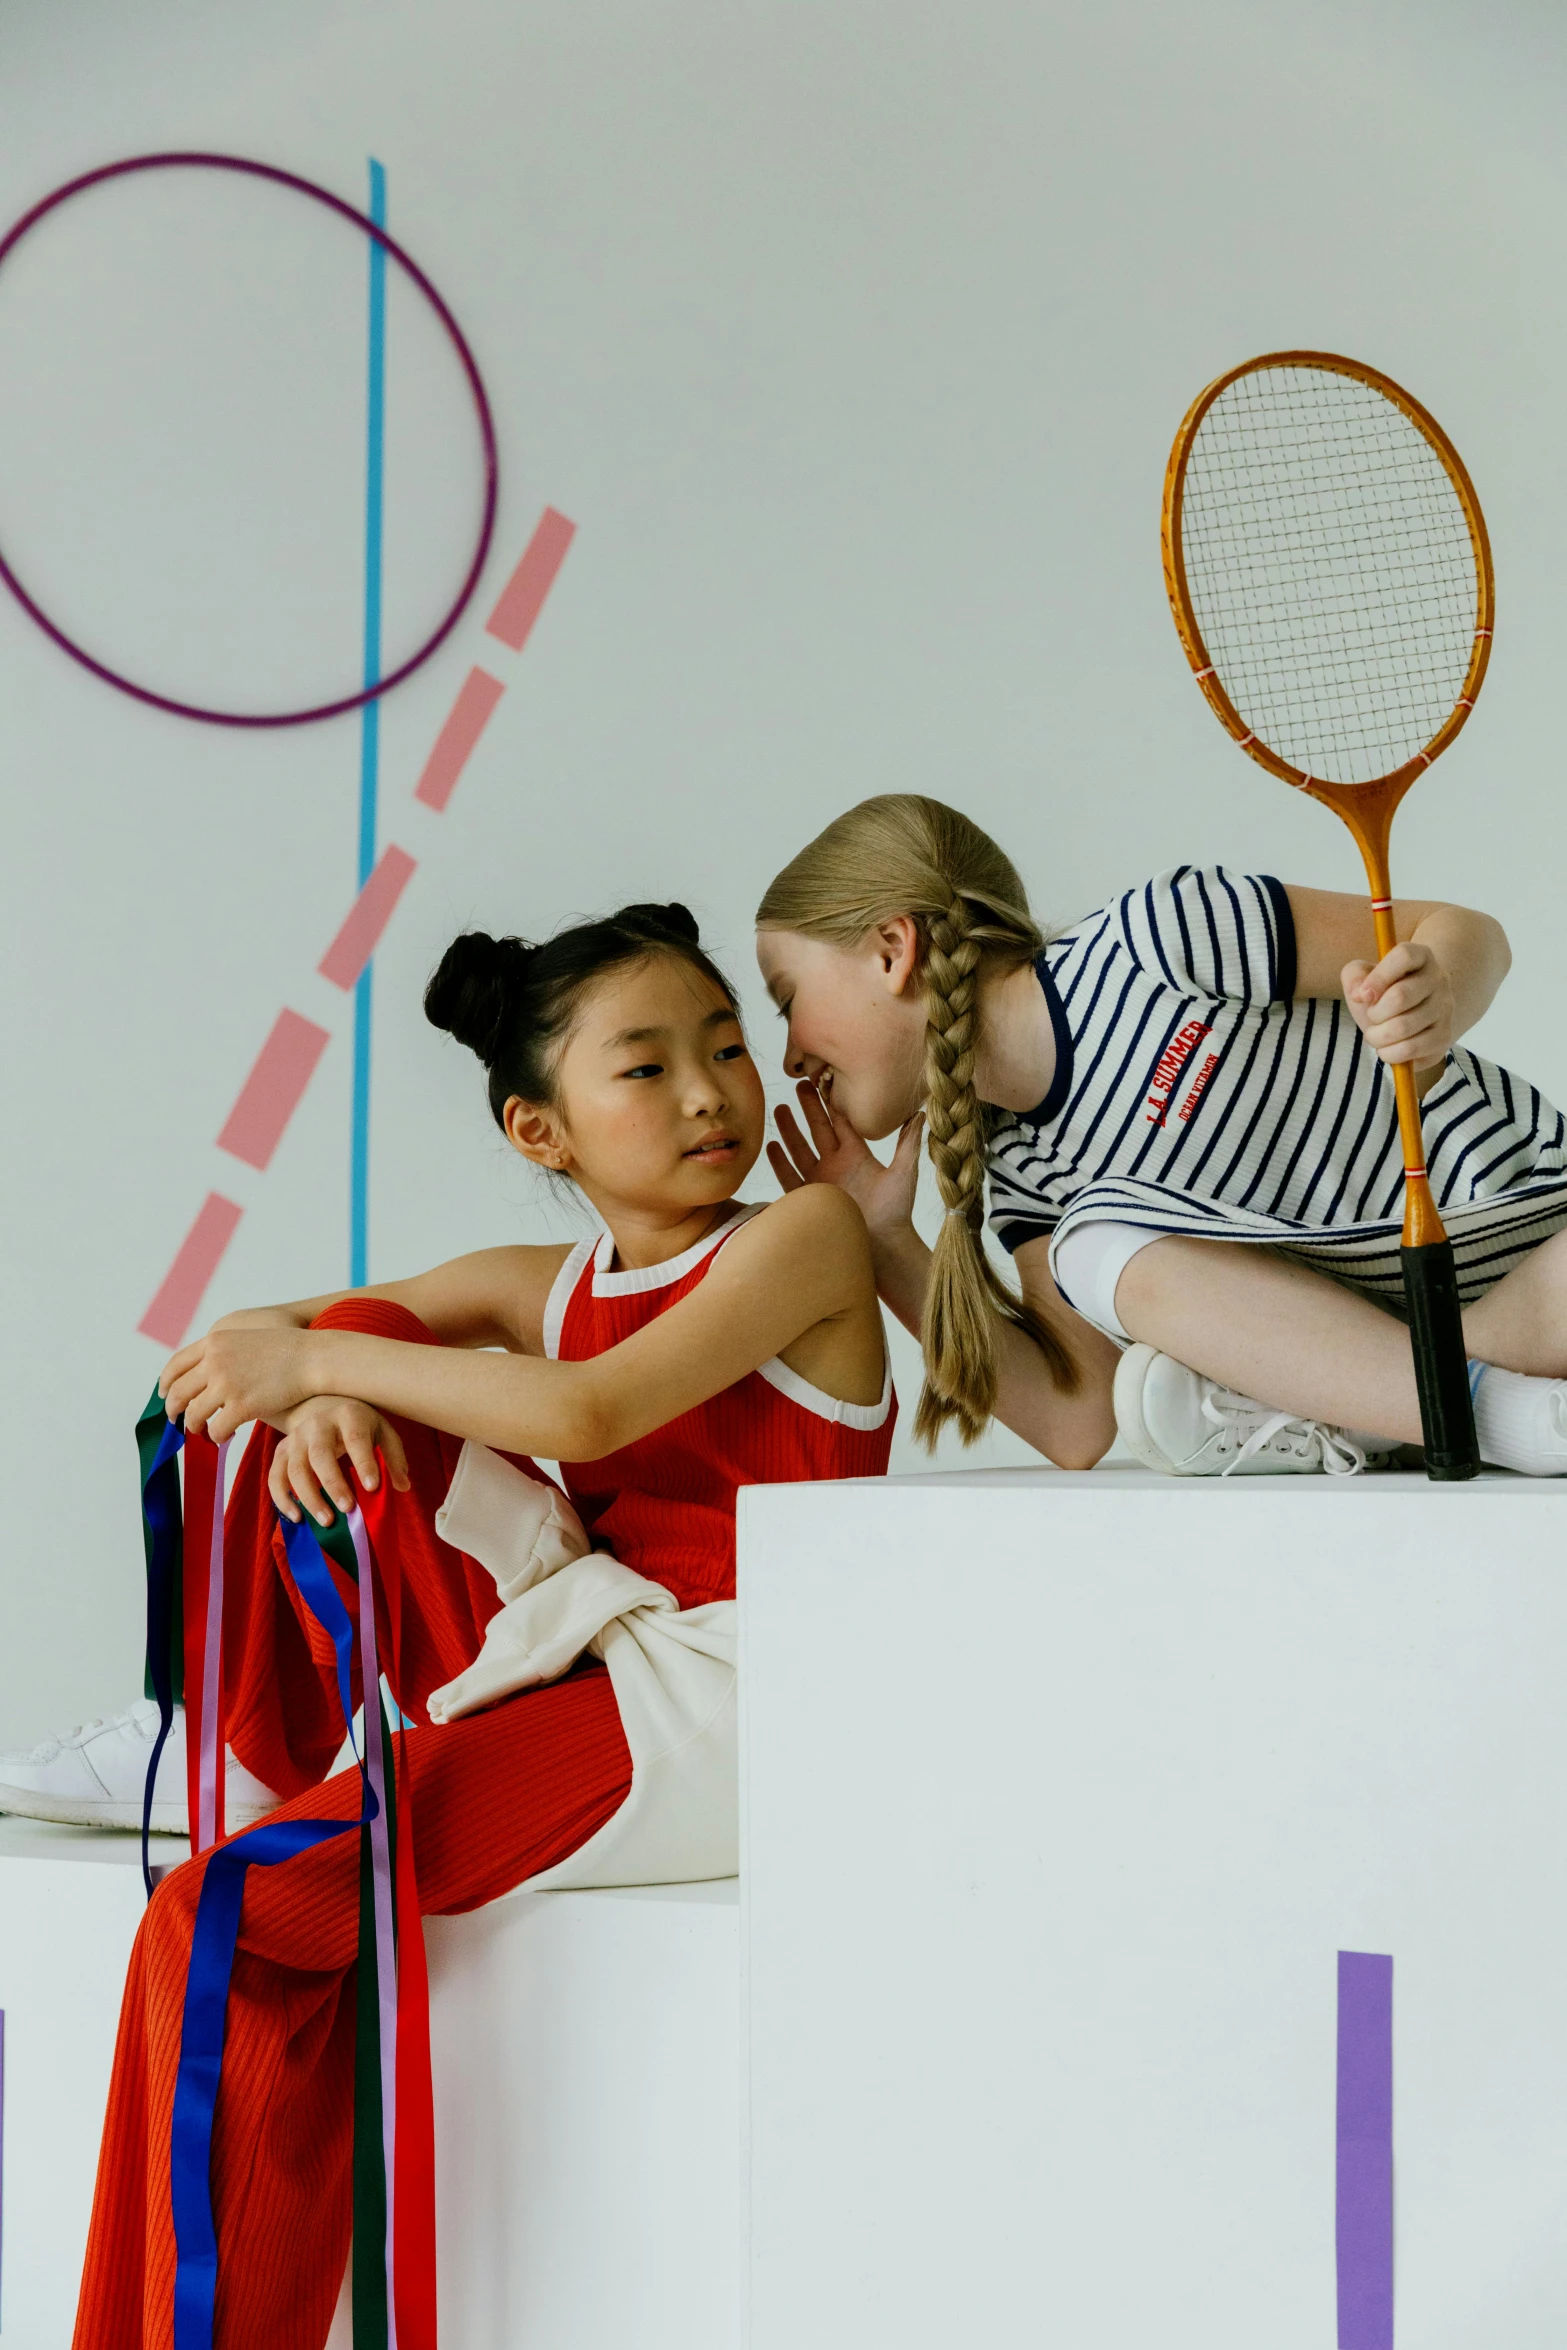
1195, 1092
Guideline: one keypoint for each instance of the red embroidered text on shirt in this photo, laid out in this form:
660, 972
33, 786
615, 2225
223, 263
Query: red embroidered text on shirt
1194, 1095
1172, 1061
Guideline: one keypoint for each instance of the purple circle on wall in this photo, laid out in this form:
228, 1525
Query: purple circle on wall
412, 271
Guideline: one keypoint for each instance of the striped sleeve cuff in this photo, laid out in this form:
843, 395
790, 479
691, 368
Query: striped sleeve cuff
1228, 935
1012, 1231
1284, 961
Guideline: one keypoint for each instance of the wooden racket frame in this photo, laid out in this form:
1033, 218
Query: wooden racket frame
1367, 808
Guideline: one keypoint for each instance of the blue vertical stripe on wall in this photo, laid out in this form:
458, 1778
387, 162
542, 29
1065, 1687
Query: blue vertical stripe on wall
369, 733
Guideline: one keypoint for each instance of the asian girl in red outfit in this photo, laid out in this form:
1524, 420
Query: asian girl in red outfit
698, 1346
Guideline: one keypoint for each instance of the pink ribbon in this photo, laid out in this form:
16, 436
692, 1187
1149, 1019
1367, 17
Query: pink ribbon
210, 1823
381, 1883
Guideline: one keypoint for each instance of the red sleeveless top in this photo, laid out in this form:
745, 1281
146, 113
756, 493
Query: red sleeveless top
665, 1505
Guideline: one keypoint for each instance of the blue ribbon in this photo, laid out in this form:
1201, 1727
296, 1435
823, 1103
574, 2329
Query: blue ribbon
212, 1965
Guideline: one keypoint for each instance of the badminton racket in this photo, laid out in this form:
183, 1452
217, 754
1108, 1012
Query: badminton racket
1330, 576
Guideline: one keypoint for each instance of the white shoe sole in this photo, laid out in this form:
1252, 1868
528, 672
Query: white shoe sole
1131, 1373
80, 1811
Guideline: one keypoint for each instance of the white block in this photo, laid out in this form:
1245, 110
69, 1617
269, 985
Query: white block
1061, 1795
70, 1902
587, 2101
586, 2060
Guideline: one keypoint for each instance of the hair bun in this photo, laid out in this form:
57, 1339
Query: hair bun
472, 986
655, 922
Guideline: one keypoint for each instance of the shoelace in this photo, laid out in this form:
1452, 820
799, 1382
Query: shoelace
58, 1740
135, 1717
1341, 1456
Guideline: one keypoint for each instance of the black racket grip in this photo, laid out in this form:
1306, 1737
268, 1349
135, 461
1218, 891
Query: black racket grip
1436, 1332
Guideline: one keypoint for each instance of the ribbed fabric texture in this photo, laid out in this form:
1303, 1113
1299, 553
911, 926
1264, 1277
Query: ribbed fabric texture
270, 1639
495, 1799
665, 1506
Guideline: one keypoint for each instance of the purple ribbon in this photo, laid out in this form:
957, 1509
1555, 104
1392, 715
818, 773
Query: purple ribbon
211, 1671
381, 1884
1365, 2151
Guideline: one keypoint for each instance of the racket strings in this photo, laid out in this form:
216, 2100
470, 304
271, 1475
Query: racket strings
1331, 570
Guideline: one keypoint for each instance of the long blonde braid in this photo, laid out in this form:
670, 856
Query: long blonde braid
904, 854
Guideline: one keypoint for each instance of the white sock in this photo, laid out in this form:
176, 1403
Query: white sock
1519, 1421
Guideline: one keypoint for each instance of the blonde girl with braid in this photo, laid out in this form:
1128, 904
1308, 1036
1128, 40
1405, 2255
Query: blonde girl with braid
900, 948
1181, 1110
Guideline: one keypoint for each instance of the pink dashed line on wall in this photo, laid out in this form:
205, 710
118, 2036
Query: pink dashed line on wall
369, 915
287, 1061
171, 1312
522, 598
271, 1093
470, 715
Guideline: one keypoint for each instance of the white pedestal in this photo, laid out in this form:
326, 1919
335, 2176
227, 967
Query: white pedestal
586, 2054
1061, 1795
70, 1903
586, 2086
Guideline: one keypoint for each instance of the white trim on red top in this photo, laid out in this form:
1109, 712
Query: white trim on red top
825, 1406
560, 1294
600, 1253
644, 1277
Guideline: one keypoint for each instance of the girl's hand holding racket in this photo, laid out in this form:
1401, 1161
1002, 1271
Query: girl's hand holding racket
308, 1464
1330, 576
1404, 1006
834, 1153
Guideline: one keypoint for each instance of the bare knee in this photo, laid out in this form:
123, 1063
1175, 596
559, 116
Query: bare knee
1171, 1266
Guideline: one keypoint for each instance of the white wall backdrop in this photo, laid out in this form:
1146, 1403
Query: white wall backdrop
853, 338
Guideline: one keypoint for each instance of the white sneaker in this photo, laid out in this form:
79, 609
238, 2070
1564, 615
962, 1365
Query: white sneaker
1176, 1421
93, 1777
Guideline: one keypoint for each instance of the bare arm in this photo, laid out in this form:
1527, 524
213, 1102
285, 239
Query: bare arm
495, 1297
800, 1268
1074, 1431
1413, 1004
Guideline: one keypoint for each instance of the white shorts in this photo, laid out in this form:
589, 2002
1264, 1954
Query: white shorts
1088, 1263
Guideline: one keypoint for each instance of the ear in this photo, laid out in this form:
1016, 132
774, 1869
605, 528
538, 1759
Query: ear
536, 1131
896, 945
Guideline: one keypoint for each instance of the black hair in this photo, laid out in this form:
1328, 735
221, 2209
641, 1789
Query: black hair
512, 1003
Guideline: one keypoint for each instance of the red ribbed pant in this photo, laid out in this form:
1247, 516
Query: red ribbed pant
495, 1799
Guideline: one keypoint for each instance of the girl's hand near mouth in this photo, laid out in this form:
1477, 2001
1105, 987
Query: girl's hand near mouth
835, 1154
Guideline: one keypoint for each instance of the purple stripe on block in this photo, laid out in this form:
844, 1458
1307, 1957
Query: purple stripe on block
271, 1093
171, 1312
369, 915
467, 719
522, 598
1365, 2151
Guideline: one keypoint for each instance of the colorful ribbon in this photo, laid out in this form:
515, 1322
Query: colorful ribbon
184, 1547
394, 2260
376, 2286
158, 1441
206, 1466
